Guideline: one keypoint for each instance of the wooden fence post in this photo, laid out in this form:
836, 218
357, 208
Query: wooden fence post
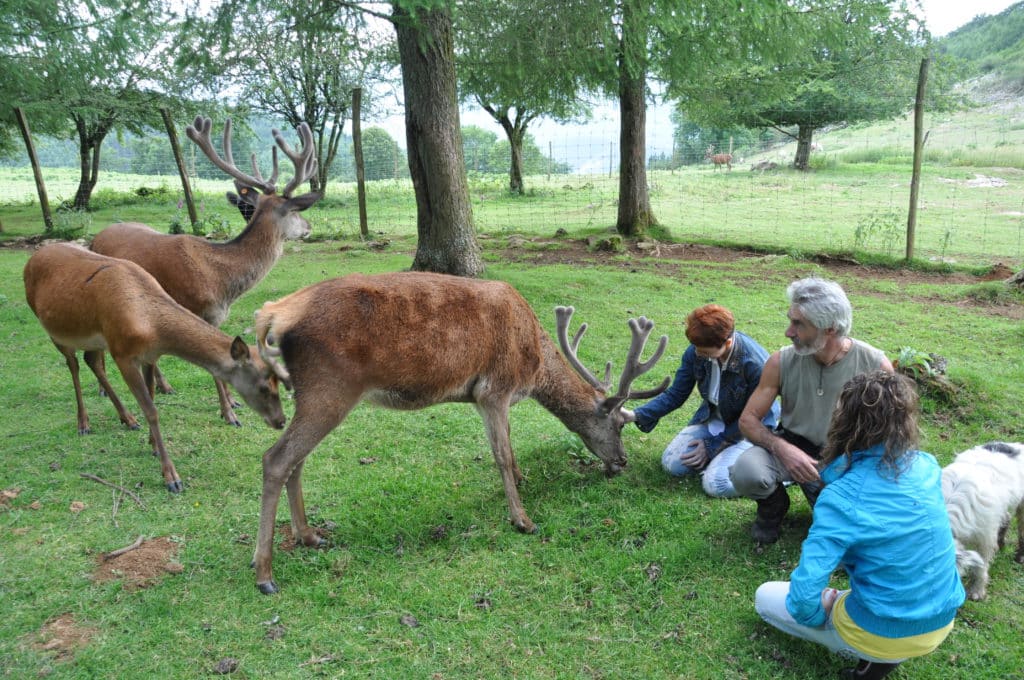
357, 151
172, 135
37, 172
915, 177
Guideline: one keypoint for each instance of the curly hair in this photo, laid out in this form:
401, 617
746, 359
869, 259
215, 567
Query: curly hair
709, 326
875, 408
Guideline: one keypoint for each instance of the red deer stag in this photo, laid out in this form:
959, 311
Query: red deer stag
95, 303
204, 277
410, 340
718, 158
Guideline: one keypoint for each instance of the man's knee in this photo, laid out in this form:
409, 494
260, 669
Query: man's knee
752, 475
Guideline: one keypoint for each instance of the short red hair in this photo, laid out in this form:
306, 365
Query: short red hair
709, 326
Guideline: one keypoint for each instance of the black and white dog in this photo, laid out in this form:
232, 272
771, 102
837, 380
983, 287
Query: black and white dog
984, 489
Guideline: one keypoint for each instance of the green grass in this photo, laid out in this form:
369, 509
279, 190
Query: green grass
638, 576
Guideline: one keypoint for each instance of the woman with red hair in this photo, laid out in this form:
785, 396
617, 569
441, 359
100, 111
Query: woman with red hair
725, 367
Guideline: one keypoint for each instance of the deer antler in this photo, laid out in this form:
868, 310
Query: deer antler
199, 132
304, 160
562, 317
640, 328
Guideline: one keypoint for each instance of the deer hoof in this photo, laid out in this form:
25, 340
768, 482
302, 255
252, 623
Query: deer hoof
268, 588
525, 527
84, 430
177, 486
133, 426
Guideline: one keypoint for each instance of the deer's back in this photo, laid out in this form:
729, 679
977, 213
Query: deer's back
419, 337
174, 260
82, 298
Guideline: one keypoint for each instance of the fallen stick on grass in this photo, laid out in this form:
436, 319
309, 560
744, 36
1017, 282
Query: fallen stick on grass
121, 551
94, 478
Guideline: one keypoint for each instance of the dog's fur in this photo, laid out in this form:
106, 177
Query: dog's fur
984, 488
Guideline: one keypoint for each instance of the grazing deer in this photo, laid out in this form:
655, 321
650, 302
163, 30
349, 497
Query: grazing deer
718, 158
204, 277
410, 340
95, 303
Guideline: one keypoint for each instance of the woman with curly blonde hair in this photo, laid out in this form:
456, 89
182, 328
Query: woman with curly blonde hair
881, 517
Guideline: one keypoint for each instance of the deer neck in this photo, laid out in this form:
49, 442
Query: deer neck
188, 337
251, 254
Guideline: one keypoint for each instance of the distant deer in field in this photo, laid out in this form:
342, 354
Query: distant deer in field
206, 278
410, 340
95, 303
718, 158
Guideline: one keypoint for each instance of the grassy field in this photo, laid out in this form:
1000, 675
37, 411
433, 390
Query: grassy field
635, 577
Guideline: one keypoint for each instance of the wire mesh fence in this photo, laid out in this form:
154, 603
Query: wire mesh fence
855, 197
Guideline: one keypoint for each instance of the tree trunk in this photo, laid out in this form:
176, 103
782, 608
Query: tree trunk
446, 241
635, 214
804, 135
88, 163
515, 132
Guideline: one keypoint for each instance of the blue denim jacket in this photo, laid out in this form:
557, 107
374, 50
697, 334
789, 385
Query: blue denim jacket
739, 379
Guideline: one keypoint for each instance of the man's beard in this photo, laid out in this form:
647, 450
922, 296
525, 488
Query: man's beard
816, 346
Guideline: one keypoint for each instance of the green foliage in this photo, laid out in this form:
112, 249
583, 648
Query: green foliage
889, 227
70, 224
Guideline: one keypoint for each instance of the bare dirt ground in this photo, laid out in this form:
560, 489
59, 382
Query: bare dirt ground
142, 566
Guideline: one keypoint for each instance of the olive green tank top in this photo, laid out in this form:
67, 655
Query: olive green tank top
809, 391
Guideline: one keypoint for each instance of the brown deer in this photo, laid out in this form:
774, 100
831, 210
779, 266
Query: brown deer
204, 277
410, 340
95, 303
718, 158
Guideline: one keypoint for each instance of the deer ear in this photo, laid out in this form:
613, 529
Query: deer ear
239, 350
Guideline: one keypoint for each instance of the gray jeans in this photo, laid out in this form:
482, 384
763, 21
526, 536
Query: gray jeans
756, 473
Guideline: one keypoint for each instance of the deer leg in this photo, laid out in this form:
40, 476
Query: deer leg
282, 464
301, 531
495, 418
132, 375
162, 386
72, 361
94, 360
227, 403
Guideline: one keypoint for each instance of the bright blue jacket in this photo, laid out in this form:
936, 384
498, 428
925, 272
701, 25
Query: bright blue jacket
739, 379
892, 535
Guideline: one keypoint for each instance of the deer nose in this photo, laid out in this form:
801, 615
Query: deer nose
615, 467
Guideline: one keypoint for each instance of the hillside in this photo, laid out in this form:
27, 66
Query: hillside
992, 46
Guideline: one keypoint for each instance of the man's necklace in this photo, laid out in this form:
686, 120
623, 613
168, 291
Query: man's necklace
821, 367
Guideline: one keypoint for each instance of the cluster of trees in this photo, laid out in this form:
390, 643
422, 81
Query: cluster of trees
89, 69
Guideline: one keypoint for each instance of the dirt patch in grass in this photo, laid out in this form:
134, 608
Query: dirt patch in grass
142, 566
669, 258
61, 637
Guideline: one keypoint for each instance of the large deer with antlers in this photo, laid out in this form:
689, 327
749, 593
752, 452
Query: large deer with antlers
410, 340
204, 277
95, 303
